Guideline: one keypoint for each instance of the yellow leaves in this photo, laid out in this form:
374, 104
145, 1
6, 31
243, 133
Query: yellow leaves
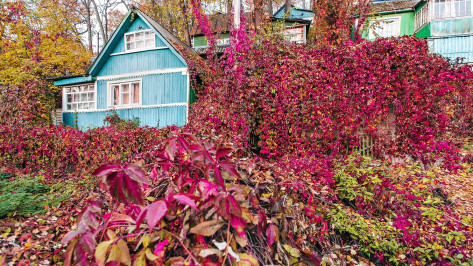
146, 240
294, 252
6, 232
246, 260
119, 252
101, 252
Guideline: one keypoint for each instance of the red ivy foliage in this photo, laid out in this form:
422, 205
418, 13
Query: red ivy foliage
56, 151
294, 99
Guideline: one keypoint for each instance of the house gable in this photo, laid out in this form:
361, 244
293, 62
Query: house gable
106, 62
137, 25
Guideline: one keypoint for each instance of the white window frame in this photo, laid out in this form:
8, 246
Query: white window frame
110, 85
449, 10
382, 22
134, 41
290, 36
67, 90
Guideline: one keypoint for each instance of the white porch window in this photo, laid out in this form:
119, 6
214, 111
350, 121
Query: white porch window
80, 97
139, 40
385, 27
452, 8
125, 93
295, 34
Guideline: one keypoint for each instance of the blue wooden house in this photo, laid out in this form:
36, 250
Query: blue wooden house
140, 73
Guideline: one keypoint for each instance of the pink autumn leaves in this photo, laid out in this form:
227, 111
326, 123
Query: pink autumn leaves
193, 193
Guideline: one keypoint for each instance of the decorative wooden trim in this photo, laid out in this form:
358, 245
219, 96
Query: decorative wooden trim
109, 92
140, 50
143, 73
130, 107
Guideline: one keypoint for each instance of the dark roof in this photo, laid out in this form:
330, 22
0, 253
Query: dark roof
296, 13
66, 77
203, 50
379, 7
220, 23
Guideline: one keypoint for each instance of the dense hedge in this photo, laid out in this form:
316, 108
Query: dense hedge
296, 99
55, 151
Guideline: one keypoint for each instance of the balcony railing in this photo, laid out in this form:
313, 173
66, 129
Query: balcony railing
422, 17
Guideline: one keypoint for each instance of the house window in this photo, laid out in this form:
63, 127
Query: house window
295, 34
80, 97
139, 40
125, 93
452, 8
387, 27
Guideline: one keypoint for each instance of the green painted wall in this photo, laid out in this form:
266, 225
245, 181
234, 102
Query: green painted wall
407, 22
201, 41
420, 5
424, 32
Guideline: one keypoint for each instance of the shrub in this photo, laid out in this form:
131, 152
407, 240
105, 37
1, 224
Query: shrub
22, 196
295, 99
202, 205
56, 151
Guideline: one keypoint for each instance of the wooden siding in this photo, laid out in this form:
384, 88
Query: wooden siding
101, 94
156, 89
453, 47
120, 48
165, 116
140, 61
407, 23
164, 89
448, 27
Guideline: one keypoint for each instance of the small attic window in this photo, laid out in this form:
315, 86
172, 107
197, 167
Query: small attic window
139, 40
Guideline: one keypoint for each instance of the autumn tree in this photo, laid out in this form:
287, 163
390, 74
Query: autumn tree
38, 40
334, 21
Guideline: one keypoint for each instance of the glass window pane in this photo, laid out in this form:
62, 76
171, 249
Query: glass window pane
139, 36
115, 95
90, 97
125, 98
149, 43
83, 97
139, 44
74, 106
136, 93
130, 37
69, 98
125, 87
69, 106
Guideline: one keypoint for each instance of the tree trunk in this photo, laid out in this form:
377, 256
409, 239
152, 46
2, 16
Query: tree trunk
270, 8
187, 37
99, 21
287, 7
229, 6
258, 14
88, 21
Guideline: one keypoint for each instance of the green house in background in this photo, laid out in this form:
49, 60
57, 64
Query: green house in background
447, 25
297, 25
391, 19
